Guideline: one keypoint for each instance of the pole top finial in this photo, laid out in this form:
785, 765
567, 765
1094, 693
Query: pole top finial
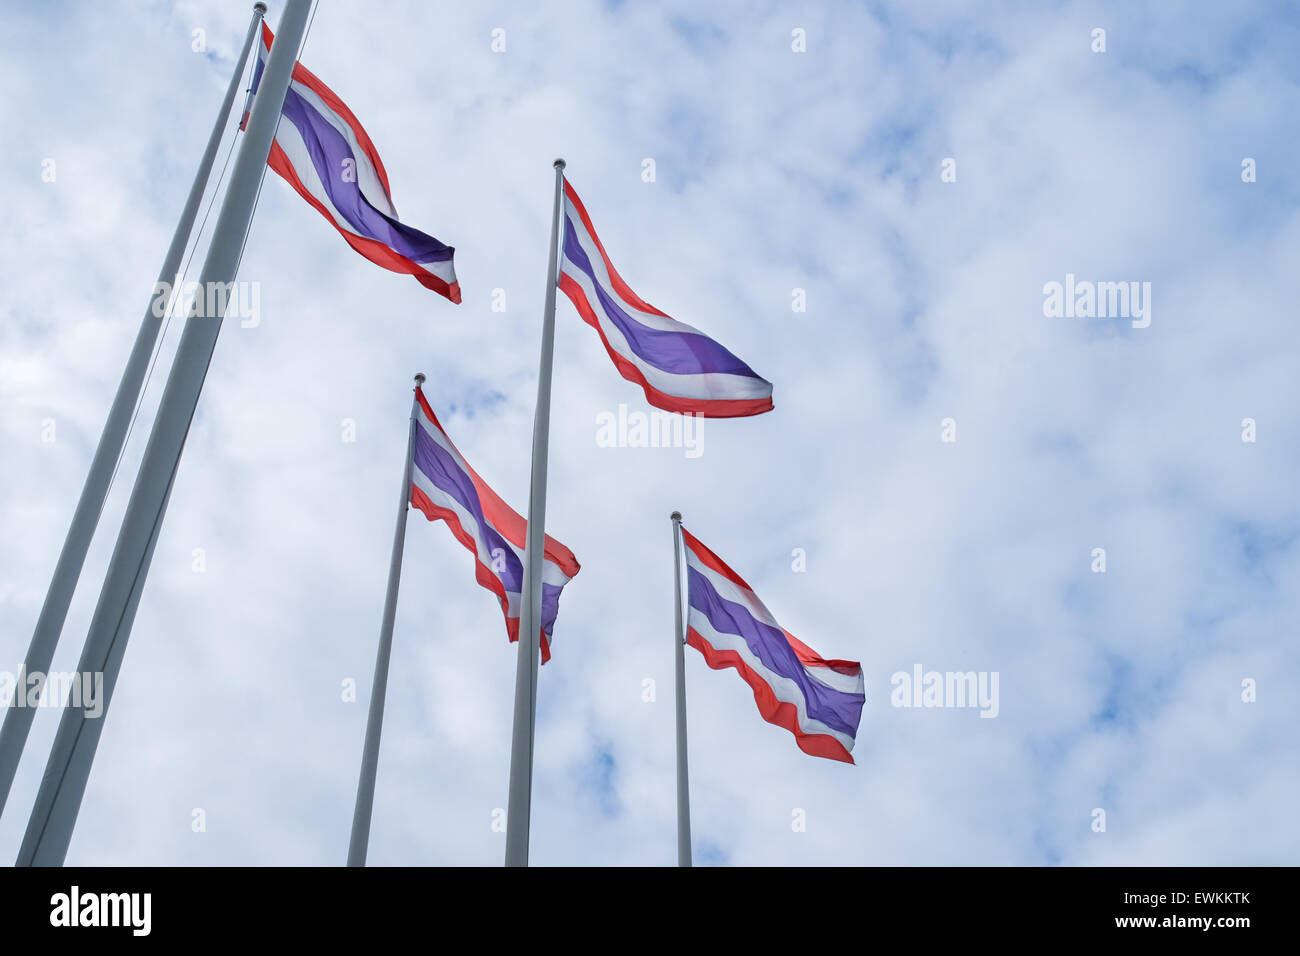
558, 164
419, 379
259, 8
676, 516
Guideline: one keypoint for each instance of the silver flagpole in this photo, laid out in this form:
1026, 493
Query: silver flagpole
519, 807
360, 841
49, 830
18, 720
679, 640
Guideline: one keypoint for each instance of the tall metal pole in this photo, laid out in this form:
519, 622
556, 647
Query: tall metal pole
49, 829
18, 720
519, 807
679, 640
360, 841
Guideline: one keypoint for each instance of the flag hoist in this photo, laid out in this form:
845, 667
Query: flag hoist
49, 625
58, 800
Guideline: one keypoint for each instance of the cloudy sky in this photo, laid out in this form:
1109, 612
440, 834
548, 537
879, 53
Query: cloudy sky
774, 170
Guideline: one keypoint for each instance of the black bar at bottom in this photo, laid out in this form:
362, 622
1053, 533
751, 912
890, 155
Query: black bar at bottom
926, 906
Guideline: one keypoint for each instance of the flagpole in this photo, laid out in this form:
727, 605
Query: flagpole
530, 613
63, 584
360, 841
679, 640
49, 830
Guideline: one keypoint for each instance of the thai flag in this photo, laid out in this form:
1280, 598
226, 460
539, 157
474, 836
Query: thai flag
680, 368
321, 150
817, 700
445, 487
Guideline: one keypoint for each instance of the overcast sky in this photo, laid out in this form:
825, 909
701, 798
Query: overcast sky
774, 170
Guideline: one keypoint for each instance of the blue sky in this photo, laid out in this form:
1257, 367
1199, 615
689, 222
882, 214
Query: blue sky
775, 170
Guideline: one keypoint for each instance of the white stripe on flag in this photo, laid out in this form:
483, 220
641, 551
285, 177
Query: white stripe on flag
699, 385
295, 150
367, 176
783, 688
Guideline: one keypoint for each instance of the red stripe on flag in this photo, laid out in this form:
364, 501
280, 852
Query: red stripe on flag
621, 287
713, 562
512, 526
779, 712
372, 249
709, 408
310, 80
811, 658
482, 573
802, 651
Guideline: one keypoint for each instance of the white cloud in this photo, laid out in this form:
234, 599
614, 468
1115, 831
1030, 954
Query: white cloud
775, 170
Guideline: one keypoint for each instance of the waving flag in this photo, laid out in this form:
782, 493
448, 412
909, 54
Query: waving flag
819, 701
680, 368
321, 150
446, 488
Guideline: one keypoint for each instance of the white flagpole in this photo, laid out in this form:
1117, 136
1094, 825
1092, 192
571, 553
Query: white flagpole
360, 841
530, 613
49, 830
49, 625
679, 640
